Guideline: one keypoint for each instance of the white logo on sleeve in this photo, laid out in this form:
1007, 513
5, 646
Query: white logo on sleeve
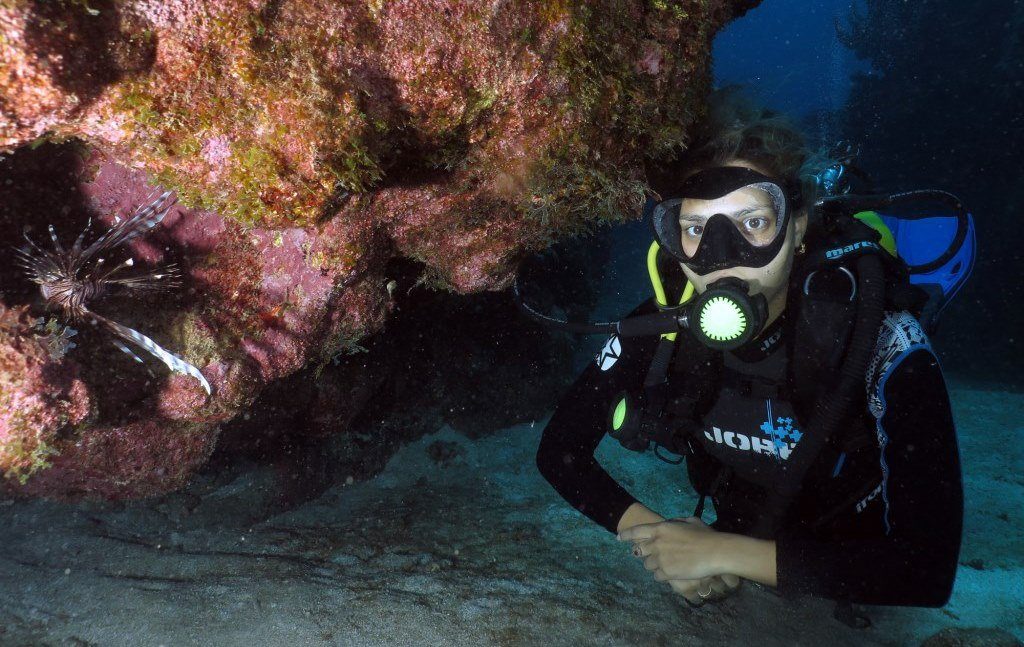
610, 353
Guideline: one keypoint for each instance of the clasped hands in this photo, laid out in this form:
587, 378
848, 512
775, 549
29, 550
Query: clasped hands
684, 552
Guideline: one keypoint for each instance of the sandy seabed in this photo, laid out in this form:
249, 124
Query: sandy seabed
456, 542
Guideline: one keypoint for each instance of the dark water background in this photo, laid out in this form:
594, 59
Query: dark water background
933, 92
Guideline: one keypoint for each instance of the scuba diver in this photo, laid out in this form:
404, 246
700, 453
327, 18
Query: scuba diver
785, 357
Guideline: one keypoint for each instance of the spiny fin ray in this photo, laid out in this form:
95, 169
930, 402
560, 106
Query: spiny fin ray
172, 361
144, 219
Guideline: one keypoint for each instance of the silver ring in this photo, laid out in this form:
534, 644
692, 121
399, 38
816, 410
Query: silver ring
844, 270
704, 595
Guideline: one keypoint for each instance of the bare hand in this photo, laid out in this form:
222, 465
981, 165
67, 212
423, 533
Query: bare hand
708, 589
679, 549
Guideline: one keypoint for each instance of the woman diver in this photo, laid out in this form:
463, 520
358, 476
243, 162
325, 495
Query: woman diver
803, 391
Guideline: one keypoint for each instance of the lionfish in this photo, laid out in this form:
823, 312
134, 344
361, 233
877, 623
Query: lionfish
70, 279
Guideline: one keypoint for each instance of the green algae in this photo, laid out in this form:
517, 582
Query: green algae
375, 8
572, 189
275, 78
140, 105
606, 87
26, 458
334, 349
193, 340
572, 196
238, 94
354, 167
674, 8
22, 456
433, 278
333, 254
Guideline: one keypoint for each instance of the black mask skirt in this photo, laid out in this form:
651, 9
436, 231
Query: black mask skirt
722, 242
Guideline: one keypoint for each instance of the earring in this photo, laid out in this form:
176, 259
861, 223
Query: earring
802, 249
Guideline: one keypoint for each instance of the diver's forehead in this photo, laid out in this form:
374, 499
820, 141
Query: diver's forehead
741, 199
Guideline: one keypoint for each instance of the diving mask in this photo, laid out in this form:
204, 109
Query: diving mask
750, 236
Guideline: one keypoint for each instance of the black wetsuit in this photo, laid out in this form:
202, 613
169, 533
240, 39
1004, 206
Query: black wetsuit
896, 503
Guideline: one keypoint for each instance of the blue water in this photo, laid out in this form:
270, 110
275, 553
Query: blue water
787, 53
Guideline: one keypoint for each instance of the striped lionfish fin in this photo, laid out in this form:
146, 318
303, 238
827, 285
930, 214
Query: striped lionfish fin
163, 278
56, 243
38, 267
76, 249
173, 362
145, 218
127, 350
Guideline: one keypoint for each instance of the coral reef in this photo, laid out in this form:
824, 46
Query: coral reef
38, 400
309, 143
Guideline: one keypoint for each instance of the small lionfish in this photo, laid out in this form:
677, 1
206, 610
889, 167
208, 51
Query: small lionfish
70, 279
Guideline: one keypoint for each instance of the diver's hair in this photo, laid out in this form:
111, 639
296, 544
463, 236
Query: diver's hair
737, 127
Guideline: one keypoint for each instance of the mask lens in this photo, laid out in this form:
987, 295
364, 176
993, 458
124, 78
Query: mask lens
764, 224
665, 220
757, 224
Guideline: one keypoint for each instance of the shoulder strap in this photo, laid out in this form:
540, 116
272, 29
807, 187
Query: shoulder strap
818, 333
679, 388
697, 369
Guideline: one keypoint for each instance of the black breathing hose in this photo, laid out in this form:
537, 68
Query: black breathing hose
567, 326
656, 323
831, 411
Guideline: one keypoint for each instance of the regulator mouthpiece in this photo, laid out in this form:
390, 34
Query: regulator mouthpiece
725, 316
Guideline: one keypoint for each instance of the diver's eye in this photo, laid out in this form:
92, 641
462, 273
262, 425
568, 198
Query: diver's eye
756, 223
694, 231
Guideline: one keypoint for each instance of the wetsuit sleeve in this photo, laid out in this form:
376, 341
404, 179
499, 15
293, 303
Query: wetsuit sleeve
565, 456
915, 560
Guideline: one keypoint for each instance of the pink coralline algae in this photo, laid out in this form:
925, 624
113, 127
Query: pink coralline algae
38, 399
309, 142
